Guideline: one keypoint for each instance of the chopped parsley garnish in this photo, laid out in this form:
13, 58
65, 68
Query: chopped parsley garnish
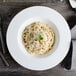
39, 37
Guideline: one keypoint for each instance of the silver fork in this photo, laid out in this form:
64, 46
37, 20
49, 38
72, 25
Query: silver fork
1, 36
3, 44
3, 59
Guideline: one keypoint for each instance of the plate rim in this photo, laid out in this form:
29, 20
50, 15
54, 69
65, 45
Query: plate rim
7, 37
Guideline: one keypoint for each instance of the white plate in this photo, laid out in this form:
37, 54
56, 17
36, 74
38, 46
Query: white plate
73, 3
31, 62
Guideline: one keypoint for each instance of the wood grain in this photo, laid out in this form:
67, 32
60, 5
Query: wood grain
8, 10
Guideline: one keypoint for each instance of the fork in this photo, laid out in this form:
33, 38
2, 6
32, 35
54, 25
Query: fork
2, 37
3, 44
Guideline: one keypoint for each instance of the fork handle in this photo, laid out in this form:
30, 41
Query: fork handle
3, 59
2, 42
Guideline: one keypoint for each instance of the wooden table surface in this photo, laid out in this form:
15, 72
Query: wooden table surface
8, 10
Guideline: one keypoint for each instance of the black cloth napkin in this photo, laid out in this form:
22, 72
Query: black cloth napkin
67, 62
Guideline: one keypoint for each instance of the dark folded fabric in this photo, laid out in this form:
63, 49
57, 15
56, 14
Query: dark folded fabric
71, 21
66, 63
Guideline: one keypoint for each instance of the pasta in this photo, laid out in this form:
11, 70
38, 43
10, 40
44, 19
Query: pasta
38, 38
